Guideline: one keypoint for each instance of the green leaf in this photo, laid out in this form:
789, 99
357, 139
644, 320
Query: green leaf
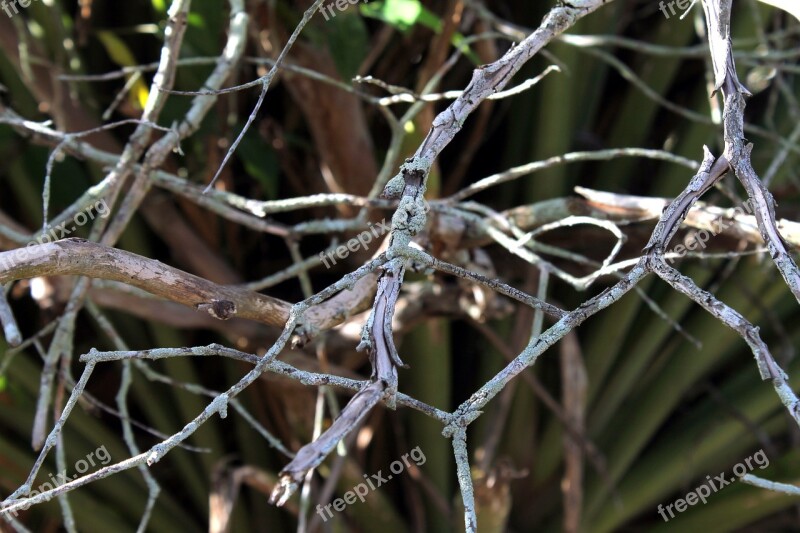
196, 20
348, 42
260, 162
402, 14
121, 54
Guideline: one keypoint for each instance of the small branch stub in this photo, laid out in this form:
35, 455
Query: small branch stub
219, 309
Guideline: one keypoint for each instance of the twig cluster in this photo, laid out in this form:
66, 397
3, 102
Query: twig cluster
377, 284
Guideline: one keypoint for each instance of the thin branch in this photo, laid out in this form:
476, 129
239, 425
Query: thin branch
9, 323
774, 486
737, 149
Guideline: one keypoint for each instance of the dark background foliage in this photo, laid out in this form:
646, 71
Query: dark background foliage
663, 412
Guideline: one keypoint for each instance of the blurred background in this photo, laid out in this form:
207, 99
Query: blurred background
658, 393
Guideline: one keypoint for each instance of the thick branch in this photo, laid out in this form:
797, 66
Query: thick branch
85, 258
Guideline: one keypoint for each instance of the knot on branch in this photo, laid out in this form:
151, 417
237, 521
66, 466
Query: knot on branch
459, 422
219, 309
411, 215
